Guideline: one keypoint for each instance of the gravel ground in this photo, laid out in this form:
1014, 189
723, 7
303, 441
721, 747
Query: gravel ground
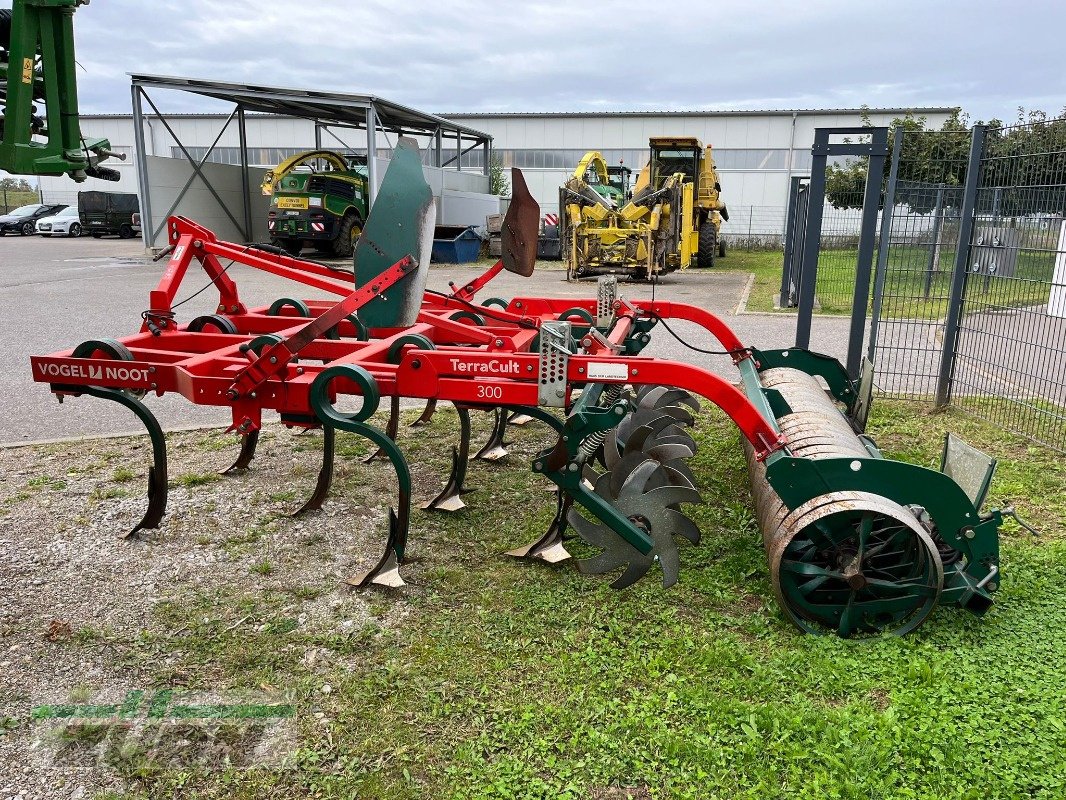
69, 578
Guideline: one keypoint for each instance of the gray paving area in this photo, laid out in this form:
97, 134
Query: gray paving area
57, 293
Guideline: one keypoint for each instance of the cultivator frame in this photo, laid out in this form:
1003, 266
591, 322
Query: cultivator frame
575, 366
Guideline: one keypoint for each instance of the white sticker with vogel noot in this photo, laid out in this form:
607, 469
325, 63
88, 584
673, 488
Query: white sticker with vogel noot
608, 372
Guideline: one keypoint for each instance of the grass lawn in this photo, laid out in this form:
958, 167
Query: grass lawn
16, 199
515, 680
906, 294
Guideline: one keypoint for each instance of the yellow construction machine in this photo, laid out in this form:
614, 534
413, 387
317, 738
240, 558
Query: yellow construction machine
674, 215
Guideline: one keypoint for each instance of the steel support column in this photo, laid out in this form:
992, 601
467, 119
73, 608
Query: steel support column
371, 155
242, 138
142, 167
787, 271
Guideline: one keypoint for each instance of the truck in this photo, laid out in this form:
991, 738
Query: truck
104, 213
319, 197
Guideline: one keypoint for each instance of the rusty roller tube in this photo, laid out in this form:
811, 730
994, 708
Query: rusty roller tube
850, 563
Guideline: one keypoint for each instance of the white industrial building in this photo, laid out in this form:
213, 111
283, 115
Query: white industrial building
756, 152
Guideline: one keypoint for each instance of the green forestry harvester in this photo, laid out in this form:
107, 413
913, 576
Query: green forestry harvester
319, 198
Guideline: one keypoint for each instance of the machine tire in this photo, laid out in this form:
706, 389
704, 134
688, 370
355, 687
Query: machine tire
125, 231
74, 230
26, 229
721, 248
708, 247
350, 228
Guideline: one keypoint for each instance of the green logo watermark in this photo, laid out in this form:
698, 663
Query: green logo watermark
164, 728
161, 706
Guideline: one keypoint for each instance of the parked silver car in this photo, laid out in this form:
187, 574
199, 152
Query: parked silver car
65, 223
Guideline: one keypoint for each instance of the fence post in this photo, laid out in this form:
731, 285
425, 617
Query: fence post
885, 241
934, 248
790, 242
875, 170
812, 237
949, 349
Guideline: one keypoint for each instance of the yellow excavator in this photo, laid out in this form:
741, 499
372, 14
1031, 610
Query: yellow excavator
674, 216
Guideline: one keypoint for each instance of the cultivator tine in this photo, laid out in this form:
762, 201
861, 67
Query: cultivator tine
495, 448
386, 572
451, 496
549, 547
325, 474
248, 444
157, 471
427, 413
519, 419
392, 427
157, 499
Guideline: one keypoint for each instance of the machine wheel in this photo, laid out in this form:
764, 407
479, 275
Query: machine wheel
26, 229
350, 228
74, 230
721, 249
708, 246
125, 231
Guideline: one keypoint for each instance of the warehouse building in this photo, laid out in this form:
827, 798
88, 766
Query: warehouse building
756, 152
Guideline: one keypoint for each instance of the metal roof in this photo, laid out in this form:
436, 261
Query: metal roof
327, 107
803, 112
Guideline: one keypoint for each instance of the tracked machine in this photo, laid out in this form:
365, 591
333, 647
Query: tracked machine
857, 543
673, 217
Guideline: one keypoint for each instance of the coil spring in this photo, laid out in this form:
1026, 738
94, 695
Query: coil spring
592, 443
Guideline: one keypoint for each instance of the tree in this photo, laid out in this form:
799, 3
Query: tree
928, 161
15, 185
498, 183
1024, 166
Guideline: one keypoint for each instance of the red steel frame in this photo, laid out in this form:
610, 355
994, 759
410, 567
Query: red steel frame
475, 364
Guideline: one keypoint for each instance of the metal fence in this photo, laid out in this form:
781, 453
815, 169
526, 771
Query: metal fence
913, 285
970, 295
1010, 356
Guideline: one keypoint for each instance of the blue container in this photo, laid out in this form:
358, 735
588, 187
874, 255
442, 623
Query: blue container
455, 244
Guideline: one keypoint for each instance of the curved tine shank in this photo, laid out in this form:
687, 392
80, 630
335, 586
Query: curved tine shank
427, 413
325, 474
157, 472
450, 497
392, 427
549, 547
248, 444
495, 448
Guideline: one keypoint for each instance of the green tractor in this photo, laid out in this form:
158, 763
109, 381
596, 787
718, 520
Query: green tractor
320, 198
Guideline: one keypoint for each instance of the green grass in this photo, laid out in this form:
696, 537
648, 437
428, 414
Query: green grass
17, 199
905, 288
514, 680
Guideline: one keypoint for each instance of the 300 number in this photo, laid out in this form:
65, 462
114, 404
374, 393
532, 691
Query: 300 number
490, 392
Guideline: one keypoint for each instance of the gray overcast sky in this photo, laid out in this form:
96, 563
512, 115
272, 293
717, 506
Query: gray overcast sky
988, 57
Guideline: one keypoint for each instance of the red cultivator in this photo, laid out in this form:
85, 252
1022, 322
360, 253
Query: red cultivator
858, 544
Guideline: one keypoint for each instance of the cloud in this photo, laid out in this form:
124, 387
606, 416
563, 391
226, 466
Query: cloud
480, 56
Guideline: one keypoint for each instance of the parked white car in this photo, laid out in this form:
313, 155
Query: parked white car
65, 223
